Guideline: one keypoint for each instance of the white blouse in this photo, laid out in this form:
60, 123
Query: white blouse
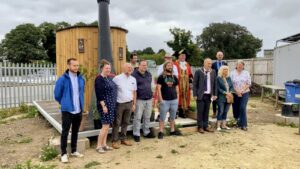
240, 80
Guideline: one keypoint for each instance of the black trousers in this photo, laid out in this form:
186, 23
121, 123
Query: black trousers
203, 111
215, 104
69, 119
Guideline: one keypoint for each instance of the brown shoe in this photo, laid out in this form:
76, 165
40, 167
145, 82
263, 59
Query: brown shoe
200, 130
115, 145
208, 130
126, 143
214, 115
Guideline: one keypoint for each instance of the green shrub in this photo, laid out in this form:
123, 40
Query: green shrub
29, 165
48, 153
25, 140
29, 111
92, 164
158, 58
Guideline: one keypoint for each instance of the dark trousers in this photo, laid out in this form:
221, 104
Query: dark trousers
215, 104
240, 109
69, 119
203, 111
122, 119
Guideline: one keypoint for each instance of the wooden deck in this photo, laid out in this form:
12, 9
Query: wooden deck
50, 110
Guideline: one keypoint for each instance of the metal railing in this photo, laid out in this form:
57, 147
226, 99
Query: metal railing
24, 83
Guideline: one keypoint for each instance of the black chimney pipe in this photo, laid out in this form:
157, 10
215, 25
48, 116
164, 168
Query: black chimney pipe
104, 40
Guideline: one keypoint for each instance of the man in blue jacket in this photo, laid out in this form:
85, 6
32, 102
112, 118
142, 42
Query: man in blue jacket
216, 66
69, 93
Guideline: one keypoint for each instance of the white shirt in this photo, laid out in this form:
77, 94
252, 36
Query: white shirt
75, 89
160, 70
126, 86
208, 89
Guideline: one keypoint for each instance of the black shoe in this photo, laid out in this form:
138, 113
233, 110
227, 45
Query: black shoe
176, 133
160, 135
150, 135
244, 128
136, 138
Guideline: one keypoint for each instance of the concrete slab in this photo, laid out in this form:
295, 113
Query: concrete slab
82, 144
286, 120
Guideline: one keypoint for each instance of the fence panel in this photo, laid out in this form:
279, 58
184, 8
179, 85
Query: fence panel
24, 83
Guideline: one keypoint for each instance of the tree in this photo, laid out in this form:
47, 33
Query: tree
127, 54
2, 52
183, 39
148, 51
48, 30
62, 25
95, 23
234, 40
24, 44
161, 51
80, 24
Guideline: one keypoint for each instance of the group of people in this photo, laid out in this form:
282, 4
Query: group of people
214, 83
118, 97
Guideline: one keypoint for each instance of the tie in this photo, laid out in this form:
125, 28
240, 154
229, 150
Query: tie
205, 81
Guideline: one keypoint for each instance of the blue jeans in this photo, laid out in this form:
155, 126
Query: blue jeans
170, 106
240, 109
223, 108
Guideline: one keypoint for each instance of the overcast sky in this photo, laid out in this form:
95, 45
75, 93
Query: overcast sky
148, 21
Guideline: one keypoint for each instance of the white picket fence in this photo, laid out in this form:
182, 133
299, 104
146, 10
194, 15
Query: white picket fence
23, 83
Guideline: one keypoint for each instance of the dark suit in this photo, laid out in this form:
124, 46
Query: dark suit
216, 66
203, 100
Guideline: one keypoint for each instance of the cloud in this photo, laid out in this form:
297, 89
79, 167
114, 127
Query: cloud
149, 22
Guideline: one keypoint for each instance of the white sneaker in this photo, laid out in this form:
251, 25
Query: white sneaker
219, 129
64, 158
76, 154
227, 128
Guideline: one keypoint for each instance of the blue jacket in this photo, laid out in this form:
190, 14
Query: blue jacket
63, 92
215, 66
222, 88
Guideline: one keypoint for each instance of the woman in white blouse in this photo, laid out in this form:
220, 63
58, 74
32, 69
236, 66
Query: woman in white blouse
241, 82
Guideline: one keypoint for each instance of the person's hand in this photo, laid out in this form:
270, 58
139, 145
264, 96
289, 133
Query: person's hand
133, 108
105, 110
195, 97
214, 97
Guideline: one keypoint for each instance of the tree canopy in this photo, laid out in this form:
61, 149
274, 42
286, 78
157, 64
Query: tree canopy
183, 39
234, 40
24, 44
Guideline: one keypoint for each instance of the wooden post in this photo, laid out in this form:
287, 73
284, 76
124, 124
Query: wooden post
252, 69
262, 93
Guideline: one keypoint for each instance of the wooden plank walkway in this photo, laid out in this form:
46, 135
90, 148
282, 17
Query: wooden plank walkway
50, 110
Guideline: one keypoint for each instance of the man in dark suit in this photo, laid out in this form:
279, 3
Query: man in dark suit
216, 66
204, 90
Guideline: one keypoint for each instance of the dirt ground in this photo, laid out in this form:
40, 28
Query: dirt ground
264, 145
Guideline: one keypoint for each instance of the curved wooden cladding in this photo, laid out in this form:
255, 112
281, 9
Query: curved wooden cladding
67, 46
